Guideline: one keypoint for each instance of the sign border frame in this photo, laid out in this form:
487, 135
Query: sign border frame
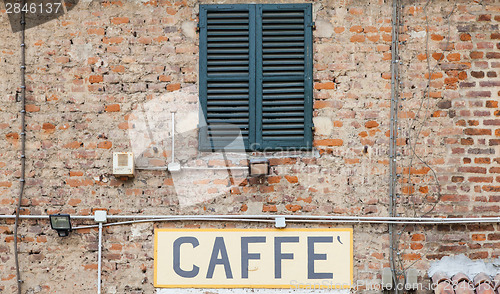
157, 230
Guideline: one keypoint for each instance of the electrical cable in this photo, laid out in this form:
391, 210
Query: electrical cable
23, 146
338, 218
393, 137
412, 144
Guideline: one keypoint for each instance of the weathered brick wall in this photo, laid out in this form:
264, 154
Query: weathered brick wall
91, 73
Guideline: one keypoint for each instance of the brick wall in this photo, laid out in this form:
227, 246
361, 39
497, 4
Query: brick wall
92, 72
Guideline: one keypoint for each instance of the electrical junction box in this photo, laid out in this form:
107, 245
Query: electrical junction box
100, 216
123, 164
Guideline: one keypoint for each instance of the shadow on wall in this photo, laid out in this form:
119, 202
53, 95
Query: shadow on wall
36, 12
205, 176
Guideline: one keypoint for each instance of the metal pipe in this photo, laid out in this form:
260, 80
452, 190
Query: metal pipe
192, 168
215, 168
173, 137
267, 221
393, 138
340, 218
99, 260
23, 146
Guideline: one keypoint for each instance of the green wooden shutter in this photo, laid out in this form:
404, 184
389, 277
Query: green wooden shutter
227, 75
284, 76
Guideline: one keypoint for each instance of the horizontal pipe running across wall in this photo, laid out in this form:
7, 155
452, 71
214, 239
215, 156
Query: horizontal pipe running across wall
289, 218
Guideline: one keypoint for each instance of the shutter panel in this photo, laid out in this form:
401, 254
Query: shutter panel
284, 76
227, 75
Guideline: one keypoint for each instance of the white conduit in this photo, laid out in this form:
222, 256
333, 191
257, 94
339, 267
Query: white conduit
255, 218
99, 260
289, 218
191, 167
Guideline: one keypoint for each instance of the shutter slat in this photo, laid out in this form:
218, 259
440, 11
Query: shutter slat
222, 97
228, 45
282, 120
227, 33
283, 56
233, 121
228, 107
283, 27
227, 115
283, 103
287, 126
227, 27
228, 14
273, 62
227, 51
227, 21
230, 39
289, 15
284, 33
281, 132
282, 21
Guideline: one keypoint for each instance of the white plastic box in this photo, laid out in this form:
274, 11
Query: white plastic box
123, 164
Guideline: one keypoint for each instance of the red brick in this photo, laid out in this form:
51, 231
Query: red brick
356, 29
484, 17
371, 124
328, 142
356, 11
357, 38
112, 40
74, 202
472, 169
269, 208
48, 126
78, 183
453, 57
324, 86
112, 108
465, 37
119, 20
118, 68
292, 179
105, 145
492, 104
73, 145
96, 31
293, 208
491, 188
32, 108
173, 87
477, 132
96, 79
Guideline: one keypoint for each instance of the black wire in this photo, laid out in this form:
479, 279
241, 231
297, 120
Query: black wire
23, 146
425, 98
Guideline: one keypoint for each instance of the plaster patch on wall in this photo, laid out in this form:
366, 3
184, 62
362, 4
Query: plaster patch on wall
81, 51
420, 34
452, 265
189, 29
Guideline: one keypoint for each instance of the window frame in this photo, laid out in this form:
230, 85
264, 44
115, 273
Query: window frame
255, 141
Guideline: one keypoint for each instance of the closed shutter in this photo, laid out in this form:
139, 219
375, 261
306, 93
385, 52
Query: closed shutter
284, 76
227, 75
256, 76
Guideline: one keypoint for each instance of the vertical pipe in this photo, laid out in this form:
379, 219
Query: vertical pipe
23, 145
173, 137
99, 261
393, 137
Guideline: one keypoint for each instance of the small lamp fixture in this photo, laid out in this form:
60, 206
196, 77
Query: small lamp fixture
258, 167
61, 223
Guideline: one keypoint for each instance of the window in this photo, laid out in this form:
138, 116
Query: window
256, 76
